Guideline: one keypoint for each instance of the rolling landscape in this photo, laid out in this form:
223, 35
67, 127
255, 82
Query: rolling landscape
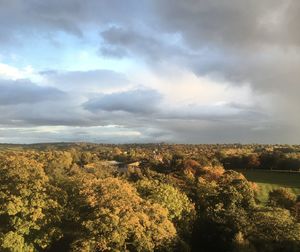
149, 126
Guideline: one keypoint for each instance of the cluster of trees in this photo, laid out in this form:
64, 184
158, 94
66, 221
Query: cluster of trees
72, 199
264, 160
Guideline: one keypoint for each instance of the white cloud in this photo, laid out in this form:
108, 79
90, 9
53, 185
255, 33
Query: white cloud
9, 72
181, 87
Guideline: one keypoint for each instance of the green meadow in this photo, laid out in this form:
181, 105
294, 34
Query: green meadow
269, 180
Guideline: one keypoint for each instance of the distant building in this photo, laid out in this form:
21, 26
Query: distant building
131, 167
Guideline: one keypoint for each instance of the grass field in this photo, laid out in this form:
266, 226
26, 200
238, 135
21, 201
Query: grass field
269, 180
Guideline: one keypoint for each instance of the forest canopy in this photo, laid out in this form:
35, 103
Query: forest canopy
153, 197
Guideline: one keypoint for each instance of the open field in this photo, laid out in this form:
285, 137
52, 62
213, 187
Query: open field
269, 180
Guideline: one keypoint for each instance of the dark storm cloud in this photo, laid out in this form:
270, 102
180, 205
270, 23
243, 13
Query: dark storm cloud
140, 101
22, 91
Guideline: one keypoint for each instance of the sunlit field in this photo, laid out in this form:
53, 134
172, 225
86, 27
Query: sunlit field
269, 180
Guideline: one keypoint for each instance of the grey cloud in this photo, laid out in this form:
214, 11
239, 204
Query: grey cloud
66, 111
238, 40
87, 80
203, 131
230, 112
133, 101
241, 40
23, 103
70, 16
249, 41
113, 51
255, 42
227, 23
22, 91
231, 23
123, 42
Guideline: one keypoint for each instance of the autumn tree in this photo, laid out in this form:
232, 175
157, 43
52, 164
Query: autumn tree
274, 230
115, 218
29, 207
223, 205
181, 211
282, 197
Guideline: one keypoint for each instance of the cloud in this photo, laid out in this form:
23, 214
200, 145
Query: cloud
232, 23
123, 42
23, 91
253, 42
91, 80
138, 101
242, 59
45, 18
13, 73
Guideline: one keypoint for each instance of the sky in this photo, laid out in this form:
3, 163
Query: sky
114, 71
